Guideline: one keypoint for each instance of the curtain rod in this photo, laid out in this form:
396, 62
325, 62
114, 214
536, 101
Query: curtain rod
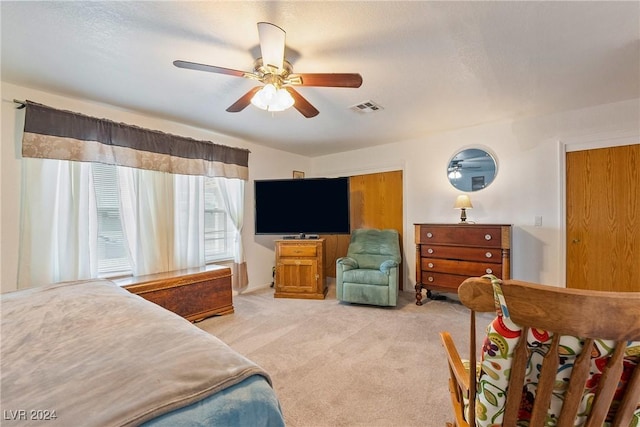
22, 104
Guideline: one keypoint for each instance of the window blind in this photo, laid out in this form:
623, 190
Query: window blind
113, 254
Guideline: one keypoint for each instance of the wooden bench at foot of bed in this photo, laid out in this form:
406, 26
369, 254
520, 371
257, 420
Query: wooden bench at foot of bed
193, 293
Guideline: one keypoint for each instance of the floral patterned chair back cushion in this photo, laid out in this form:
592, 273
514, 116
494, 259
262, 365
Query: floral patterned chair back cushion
495, 367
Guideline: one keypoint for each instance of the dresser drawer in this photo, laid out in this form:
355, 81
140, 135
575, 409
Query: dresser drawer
469, 236
298, 250
462, 253
443, 280
464, 268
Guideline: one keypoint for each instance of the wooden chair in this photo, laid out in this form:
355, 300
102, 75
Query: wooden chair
592, 315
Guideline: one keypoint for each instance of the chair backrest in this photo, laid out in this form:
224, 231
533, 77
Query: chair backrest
371, 247
553, 373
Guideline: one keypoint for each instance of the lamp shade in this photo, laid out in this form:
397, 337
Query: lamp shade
272, 99
463, 202
455, 174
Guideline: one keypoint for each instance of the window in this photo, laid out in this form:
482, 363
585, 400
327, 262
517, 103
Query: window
218, 228
113, 253
113, 256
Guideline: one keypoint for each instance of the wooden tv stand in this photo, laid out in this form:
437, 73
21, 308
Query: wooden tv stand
300, 269
193, 293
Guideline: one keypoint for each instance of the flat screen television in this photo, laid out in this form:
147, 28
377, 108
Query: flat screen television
302, 206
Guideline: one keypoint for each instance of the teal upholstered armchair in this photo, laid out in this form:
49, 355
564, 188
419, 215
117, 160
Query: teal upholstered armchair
369, 273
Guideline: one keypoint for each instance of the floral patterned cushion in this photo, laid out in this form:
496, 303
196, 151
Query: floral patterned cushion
502, 337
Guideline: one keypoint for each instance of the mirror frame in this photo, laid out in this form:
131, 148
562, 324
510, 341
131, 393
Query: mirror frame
464, 181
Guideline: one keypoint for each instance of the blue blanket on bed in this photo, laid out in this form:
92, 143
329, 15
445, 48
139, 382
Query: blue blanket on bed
250, 403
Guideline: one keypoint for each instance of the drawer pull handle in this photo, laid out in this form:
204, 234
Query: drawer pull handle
489, 271
487, 237
488, 254
430, 265
429, 235
430, 250
430, 279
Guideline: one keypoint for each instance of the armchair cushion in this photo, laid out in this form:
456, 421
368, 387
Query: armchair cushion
371, 247
371, 277
497, 356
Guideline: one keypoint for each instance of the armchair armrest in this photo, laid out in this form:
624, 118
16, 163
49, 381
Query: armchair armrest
458, 371
388, 265
459, 386
347, 263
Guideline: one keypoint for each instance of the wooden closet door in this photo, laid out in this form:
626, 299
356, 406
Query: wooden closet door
376, 200
603, 219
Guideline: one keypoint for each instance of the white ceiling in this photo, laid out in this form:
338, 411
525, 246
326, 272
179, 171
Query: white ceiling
432, 66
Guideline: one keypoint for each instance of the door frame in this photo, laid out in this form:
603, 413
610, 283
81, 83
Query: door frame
589, 142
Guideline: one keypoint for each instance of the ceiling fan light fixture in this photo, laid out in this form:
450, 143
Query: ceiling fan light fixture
271, 99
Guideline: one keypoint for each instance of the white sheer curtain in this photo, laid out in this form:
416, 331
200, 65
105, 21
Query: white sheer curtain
163, 218
233, 195
146, 213
59, 223
188, 246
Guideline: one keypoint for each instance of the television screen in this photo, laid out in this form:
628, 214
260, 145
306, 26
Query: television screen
302, 206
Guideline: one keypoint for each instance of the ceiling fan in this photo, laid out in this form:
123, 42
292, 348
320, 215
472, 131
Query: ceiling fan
276, 75
461, 164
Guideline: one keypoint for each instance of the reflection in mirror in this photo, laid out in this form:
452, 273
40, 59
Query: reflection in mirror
471, 169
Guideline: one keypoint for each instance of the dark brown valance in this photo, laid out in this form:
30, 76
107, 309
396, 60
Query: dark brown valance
64, 135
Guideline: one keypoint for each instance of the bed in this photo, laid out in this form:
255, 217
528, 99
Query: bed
92, 354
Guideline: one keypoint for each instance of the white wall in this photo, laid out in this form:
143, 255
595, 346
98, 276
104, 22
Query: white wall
264, 163
530, 180
530, 155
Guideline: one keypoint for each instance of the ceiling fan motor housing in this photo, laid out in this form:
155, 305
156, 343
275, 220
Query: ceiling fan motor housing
270, 74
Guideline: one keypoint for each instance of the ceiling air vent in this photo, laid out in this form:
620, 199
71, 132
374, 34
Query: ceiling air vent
366, 107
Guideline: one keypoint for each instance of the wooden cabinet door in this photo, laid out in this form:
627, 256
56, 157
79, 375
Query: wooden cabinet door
603, 219
297, 275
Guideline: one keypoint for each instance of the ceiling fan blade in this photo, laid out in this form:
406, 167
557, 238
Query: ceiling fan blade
301, 104
326, 79
272, 39
209, 68
244, 101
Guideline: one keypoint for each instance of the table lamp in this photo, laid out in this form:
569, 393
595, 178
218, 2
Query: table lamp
463, 203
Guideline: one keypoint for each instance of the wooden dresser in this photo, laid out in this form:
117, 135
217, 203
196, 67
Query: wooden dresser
193, 293
300, 269
447, 254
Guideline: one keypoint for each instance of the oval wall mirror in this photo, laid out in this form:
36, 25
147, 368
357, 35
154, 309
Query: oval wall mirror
472, 169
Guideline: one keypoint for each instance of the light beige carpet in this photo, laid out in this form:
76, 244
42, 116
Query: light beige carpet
338, 364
